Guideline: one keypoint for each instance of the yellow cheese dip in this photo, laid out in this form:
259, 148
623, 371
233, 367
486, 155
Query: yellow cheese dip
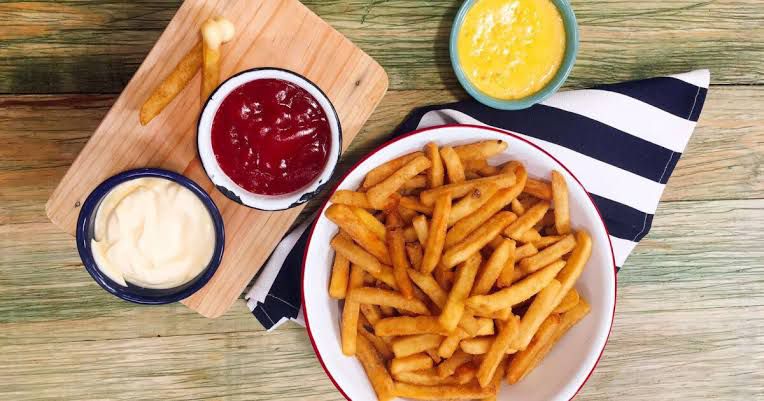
152, 232
510, 49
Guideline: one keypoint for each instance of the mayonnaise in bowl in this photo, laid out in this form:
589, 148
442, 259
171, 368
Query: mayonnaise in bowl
150, 236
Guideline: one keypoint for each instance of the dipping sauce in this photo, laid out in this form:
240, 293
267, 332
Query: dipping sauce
153, 233
510, 49
271, 137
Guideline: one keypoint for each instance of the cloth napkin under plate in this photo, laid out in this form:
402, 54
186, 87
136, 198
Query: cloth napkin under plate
622, 141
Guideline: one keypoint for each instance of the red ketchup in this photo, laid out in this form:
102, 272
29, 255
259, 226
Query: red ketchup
271, 137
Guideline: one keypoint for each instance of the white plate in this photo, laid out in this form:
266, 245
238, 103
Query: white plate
566, 368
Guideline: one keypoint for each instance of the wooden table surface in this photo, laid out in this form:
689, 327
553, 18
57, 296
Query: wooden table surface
690, 315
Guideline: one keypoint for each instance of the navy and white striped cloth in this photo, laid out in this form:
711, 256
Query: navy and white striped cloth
622, 141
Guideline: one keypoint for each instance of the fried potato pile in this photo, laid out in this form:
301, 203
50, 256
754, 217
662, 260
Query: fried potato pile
455, 274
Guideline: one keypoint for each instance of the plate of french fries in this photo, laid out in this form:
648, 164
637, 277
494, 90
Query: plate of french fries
459, 262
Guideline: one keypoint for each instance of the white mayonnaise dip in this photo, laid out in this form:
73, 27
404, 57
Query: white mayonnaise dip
152, 232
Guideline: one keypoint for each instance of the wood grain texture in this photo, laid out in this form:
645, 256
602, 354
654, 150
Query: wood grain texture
79, 46
279, 33
690, 298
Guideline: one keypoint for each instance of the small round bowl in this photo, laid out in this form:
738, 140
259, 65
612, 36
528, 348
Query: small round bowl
569, 59
224, 183
567, 367
133, 293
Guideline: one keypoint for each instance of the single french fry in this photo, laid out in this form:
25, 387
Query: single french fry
449, 366
435, 173
454, 168
356, 254
469, 323
215, 32
476, 345
492, 269
375, 369
501, 314
371, 222
371, 313
545, 241
507, 273
486, 327
409, 234
409, 345
457, 190
414, 204
350, 198
421, 227
567, 320
518, 292
575, 263
408, 325
415, 254
471, 202
380, 192
507, 332
441, 392
385, 275
379, 344
521, 361
561, 207
525, 251
429, 377
527, 221
480, 167
172, 84
338, 284
417, 182
412, 362
539, 189
429, 286
530, 235
437, 234
568, 302
498, 375
537, 312
517, 207
498, 201
548, 254
454, 309
350, 312
381, 172
346, 220
476, 240
451, 343
480, 150
377, 296
397, 249
496, 241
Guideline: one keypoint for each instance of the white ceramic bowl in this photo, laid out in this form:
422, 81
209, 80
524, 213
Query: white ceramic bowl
227, 186
565, 369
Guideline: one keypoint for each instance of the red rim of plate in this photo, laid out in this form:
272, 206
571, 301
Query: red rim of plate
415, 132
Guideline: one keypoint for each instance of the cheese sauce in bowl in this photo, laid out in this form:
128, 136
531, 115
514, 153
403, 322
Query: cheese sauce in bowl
510, 54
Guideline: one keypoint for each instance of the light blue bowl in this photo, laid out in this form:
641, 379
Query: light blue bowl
569, 58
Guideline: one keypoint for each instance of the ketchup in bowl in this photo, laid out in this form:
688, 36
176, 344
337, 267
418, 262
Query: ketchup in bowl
271, 137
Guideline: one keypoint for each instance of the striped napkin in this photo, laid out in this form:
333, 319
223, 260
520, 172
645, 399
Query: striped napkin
622, 141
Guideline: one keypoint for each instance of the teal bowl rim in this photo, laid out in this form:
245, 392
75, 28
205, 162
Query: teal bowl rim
569, 59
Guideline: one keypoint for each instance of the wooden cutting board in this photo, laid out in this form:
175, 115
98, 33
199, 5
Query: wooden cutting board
270, 33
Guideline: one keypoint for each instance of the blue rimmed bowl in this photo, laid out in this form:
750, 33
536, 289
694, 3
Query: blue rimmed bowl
133, 293
569, 59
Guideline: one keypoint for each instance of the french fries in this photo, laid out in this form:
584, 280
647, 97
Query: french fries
435, 173
437, 234
453, 164
412, 362
560, 199
450, 333
380, 192
172, 85
215, 32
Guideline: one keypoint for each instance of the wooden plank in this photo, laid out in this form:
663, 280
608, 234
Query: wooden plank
680, 310
280, 33
93, 46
